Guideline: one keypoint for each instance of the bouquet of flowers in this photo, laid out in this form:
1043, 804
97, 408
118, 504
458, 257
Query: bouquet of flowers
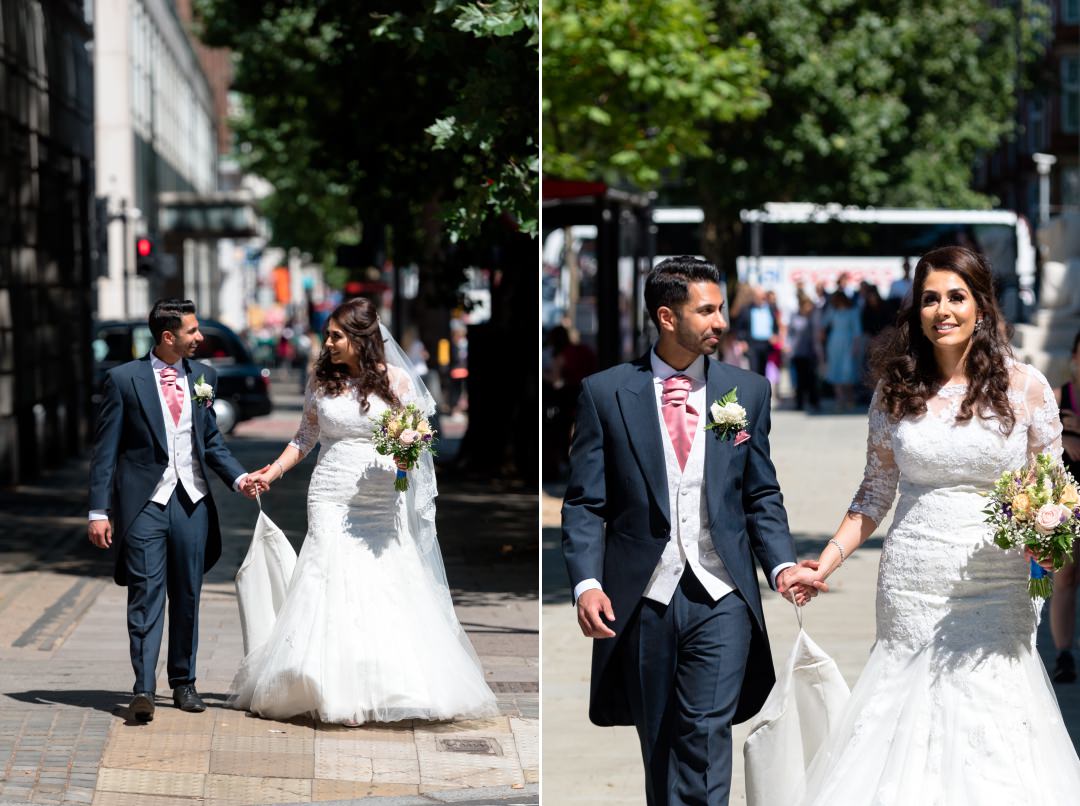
1036, 508
405, 434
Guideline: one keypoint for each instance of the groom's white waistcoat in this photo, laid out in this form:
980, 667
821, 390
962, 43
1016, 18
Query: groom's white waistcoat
179, 441
690, 543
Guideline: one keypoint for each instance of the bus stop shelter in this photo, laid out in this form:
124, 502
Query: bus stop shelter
597, 247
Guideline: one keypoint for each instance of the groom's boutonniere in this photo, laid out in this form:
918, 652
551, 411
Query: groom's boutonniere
204, 392
729, 418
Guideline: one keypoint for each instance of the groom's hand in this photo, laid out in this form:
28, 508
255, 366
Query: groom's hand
801, 583
593, 606
100, 532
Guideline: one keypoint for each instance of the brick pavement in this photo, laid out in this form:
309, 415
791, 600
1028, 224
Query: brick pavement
65, 678
819, 463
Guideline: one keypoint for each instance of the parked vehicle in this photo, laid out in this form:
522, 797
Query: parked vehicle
243, 387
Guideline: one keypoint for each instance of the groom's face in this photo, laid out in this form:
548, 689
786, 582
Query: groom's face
699, 323
187, 337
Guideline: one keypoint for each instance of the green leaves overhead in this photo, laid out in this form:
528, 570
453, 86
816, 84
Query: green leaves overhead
874, 104
373, 121
632, 88
735, 103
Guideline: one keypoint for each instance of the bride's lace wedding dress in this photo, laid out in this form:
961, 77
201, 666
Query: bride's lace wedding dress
954, 706
367, 632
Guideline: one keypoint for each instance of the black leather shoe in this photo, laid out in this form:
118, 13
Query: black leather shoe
186, 698
142, 706
1065, 668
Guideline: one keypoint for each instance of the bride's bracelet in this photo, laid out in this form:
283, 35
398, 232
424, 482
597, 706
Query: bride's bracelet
280, 467
839, 548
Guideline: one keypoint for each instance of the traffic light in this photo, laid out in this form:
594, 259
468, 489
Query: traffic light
146, 258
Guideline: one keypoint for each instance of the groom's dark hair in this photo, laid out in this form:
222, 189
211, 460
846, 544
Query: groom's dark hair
167, 315
666, 286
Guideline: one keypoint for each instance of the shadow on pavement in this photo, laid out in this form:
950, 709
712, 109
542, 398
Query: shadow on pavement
487, 528
109, 702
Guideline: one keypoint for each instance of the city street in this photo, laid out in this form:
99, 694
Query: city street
819, 462
65, 678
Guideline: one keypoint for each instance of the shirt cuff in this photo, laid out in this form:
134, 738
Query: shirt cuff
776, 572
99, 515
239, 480
586, 585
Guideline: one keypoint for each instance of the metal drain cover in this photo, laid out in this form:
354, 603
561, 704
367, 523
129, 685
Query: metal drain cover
479, 747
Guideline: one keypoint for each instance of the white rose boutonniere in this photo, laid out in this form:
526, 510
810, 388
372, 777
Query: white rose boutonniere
204, 392
729, 418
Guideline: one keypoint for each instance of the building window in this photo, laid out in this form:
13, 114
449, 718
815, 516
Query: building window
1036, 124
1070, 12
1070, 187
1070, 94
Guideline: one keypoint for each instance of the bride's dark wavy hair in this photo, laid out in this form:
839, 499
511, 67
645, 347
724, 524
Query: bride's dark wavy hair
360, 323
903, 358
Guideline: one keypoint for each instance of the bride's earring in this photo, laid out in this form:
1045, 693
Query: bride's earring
978, 324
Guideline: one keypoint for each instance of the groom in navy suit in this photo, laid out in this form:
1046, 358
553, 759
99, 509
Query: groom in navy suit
156, 436
661, 524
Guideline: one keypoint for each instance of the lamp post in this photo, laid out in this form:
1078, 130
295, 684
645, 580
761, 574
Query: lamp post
123, 216
1043, 164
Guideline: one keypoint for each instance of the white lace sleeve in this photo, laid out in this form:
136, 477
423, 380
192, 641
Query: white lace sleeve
307, 435
401, 385
878, 489
1043, 416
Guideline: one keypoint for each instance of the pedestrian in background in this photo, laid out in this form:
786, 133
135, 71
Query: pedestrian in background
804, 340
757, 325
900, 290
1063, 602
733, 348
775, 361
844, 326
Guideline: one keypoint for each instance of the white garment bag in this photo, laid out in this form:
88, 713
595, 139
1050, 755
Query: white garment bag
806, 702
263, 580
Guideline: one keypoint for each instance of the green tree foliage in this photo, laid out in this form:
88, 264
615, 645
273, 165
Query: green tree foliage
873, 103
383, 116
868, 102
631, 88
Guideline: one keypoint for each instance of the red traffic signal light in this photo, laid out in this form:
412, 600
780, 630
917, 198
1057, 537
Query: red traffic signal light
145, 256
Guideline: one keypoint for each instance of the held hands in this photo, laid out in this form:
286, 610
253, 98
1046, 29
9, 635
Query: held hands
259, 481
801, 583
593, 608
100, 533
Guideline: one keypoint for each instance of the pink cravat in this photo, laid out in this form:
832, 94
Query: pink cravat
174, 394
679, 417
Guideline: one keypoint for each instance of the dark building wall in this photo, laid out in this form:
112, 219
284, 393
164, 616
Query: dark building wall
46, 192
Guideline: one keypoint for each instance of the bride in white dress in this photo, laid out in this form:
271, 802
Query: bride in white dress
367, 632
954, 706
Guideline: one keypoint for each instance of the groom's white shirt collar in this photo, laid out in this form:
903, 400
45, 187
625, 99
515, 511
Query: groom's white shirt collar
662, 370
157, 365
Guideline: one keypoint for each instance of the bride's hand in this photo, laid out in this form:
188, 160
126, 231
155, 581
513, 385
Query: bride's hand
1045, 564
801, 583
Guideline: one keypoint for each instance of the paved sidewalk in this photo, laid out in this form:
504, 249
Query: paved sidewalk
65, 679
819, 462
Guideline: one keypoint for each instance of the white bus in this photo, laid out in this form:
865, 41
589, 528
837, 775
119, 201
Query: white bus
787, 246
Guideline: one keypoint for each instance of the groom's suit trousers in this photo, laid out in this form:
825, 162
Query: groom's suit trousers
164, 554
684, 672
